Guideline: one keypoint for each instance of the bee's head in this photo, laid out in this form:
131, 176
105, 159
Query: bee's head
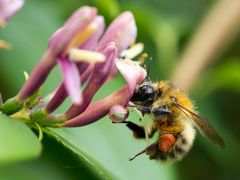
143, 94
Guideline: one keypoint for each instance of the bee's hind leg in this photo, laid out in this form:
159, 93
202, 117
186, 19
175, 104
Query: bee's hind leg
150, 150
138, 131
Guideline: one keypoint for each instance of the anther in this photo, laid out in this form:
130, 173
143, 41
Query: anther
86, 56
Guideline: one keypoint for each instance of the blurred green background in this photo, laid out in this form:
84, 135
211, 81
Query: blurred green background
165, 27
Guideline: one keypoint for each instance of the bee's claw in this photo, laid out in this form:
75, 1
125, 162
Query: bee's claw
132, 158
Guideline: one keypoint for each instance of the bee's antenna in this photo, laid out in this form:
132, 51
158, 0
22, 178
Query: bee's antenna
132, 158
148, 68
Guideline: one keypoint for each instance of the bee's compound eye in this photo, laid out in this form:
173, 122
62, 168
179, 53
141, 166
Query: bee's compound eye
147, 90
143, 93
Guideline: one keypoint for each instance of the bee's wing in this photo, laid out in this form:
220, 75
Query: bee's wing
203, 126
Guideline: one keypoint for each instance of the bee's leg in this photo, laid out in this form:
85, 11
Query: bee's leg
144, 109
160, 111
155, 111
149, 150
138, 131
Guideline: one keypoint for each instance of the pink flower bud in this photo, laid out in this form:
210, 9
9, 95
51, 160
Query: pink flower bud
118, 113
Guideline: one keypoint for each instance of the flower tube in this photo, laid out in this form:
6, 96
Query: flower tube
133, 74
100, 75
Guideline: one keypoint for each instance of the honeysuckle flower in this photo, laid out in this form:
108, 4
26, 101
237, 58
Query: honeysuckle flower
8, 8
133, 73
79, 28
122, 31
85, 69
85, 54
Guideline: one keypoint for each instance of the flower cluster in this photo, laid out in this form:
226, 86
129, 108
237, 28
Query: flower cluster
87, 54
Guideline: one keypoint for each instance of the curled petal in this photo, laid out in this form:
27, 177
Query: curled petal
82, 14
133, 74
71, 80
9, 7
122, 31
118, 113
101, 73
72, 30
91, 42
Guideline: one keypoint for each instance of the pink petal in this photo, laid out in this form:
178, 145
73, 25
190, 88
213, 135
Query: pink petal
9, 7
71, 80
122, 31
82, 14
92, 42
75, 24
132, 72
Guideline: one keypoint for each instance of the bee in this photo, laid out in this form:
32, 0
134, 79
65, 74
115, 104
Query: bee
173, 116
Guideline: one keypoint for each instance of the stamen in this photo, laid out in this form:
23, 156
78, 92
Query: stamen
133, 51
85, 56
26, 75
142, 58
5, 45
82, 36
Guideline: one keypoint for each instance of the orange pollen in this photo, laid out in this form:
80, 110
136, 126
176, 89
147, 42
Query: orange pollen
165, 142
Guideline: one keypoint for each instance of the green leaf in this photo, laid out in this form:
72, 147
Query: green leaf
79, 159
17, 141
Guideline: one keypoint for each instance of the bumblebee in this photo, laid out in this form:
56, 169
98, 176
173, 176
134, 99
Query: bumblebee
173, 116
